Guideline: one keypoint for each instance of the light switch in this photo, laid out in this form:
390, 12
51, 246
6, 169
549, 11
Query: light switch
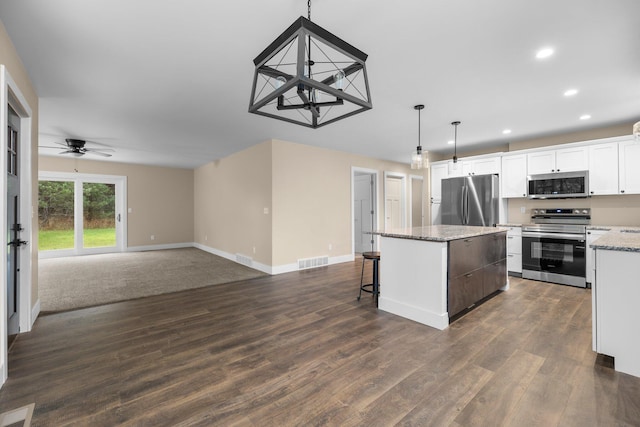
130, 210
266, 211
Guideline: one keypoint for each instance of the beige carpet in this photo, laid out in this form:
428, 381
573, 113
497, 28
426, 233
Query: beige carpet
83, 281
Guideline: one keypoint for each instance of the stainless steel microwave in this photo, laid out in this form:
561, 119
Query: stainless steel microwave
561, 185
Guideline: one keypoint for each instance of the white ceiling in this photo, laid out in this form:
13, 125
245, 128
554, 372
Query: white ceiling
168, 82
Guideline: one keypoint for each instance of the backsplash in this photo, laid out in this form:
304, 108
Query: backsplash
605, 210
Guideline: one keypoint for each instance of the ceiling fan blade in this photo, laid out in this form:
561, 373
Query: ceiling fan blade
66, 152
98, 153
60, 143
48, 146
110, 150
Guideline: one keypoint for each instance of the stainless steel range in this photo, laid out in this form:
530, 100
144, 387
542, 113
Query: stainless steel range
554, 246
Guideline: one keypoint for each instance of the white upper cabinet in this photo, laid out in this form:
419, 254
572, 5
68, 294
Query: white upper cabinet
629, 169
513, 179
439, 171
603, 169
482, 166
561, 160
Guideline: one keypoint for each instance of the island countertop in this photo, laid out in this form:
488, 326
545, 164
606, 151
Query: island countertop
439, 233
625, 239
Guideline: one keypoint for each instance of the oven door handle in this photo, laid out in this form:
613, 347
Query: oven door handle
579, 238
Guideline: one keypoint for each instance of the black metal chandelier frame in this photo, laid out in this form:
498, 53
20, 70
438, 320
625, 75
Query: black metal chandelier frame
282, 90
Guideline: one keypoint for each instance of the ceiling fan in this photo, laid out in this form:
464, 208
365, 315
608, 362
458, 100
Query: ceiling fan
76, 148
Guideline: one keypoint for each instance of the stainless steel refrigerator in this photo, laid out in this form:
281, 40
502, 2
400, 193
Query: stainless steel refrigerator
470, 200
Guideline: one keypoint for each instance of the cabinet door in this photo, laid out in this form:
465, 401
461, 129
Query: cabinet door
572, 159
436, 213
603, 169
489, 165
513, 178
464, 291
465, 255
629, 159
541, 162
438, 173
494, 277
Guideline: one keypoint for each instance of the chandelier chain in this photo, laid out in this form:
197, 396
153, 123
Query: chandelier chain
309, 10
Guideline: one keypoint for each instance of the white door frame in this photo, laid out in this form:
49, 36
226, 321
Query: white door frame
403, 195
376, 203
10, 94
121, 207
411, 179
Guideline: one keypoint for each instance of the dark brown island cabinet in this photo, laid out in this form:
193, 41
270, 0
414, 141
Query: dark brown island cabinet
477, 268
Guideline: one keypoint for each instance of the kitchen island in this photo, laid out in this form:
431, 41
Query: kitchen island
430, 274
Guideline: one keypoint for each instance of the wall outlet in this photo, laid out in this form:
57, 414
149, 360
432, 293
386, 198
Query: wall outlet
205, 237
266, 211
153, 237
254, 250
523, 209
330, 246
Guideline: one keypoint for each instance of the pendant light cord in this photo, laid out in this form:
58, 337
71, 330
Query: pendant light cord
419, 145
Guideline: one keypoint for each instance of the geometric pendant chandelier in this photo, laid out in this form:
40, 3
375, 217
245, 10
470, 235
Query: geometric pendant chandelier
310, 77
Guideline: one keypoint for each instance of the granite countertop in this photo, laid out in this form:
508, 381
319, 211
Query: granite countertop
626, 239
440, 233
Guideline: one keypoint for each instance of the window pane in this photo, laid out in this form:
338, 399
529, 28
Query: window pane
55, 215
99, 215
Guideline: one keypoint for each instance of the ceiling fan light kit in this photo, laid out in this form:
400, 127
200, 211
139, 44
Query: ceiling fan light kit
291, 84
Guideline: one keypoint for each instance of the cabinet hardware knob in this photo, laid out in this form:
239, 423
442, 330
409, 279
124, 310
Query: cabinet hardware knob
622, 191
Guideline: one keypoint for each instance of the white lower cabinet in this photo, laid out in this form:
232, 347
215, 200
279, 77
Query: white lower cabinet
514, 250
592, 236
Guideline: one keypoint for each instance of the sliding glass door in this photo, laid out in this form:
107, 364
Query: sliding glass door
80, 214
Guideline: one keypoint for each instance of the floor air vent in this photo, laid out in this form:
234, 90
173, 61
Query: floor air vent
244, 260
320, 261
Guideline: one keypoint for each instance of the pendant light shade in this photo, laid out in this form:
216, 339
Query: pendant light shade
455, 144
636, 131
419, 158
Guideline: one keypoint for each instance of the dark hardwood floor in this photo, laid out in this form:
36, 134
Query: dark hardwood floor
298, 349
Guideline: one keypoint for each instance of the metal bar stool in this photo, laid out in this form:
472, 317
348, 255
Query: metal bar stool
375, 285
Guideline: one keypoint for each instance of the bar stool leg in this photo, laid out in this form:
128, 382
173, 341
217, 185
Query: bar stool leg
361, 278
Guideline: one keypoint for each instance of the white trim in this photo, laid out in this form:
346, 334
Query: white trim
35, 312
376, 202
272, 270
10, 94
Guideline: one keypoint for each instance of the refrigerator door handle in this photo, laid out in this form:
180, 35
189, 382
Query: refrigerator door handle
462, 205
465, 205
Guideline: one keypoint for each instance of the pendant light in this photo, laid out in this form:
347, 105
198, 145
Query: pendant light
310, 77
636, 131
419, 158
455, 144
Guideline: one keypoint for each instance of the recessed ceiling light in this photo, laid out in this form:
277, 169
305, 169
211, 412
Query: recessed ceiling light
585, 117
506, 131
570, 92
544, 53
450, 142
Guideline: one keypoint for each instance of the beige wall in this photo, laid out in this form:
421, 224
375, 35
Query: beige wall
10, 59
231, 195
161, 199
306, 189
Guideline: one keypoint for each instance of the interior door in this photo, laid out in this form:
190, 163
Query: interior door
13, 226
363, 212
393, 203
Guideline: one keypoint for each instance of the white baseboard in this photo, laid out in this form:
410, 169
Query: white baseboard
272, 270
232, 257
35, 312
160, 247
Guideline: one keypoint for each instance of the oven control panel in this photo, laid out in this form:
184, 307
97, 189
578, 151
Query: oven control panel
561, 212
